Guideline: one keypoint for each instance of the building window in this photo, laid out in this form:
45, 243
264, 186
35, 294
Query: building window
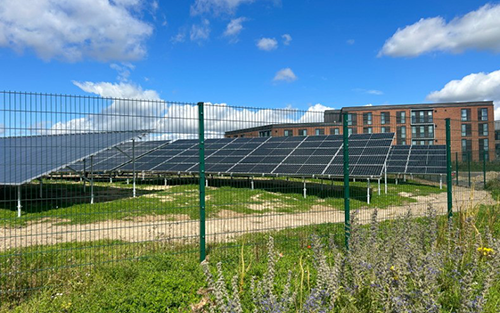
466, 130
401, 135
367, 130
385, 129
288, 132
302, 132
265, 133
352, 130
483, 148
385, 118
421, 117
319, 131
466, 148
352, 119
401, 117
367, 118
483, 129
465, 115
482, 114
334, 131
422, 131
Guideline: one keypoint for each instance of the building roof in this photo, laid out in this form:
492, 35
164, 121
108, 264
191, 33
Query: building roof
416, 106
284, 125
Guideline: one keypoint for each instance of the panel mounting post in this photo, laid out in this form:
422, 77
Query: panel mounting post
19, 206
92, 179
133, 169
368, 191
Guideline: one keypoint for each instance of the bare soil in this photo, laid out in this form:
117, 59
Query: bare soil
222, 228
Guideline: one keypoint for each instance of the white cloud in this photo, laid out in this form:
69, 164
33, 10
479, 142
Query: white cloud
473, 87
286, 39
286, 75
369, 91
267, 44
216, 6
200, 32
180, 37
123, 70
2, 128
75, 30
351, 41
234, 27
145, 110
478, 30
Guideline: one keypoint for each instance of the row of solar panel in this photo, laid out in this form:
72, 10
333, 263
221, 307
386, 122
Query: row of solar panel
273, 155
404, 159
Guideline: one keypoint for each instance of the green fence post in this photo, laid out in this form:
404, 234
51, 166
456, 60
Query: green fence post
201, 143
484, 169
448, 168
347, 215
456, 166
469, 157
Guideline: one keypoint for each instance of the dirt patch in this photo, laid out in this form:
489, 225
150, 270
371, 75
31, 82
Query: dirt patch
156, 187
229, 214
178, 227
405, 194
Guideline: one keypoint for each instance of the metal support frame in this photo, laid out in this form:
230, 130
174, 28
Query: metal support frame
84, 175
347, 213
41, 187
385, 178
440, 181
201, 145
305, 189
134, 191
368, 191
252, 184
92, 179
379, 186
19, 205
448, 169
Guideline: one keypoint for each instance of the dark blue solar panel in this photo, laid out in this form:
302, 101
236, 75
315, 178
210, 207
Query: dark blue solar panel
23, 159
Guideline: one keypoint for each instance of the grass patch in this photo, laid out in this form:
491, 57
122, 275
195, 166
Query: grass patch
67, 202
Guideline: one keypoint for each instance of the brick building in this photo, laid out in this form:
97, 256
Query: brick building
472, 125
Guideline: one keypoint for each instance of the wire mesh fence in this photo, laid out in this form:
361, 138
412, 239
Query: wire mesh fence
90, 180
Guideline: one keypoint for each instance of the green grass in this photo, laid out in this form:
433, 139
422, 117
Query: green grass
156, 277
66, 201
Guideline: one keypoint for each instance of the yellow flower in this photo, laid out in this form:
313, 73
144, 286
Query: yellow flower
484, 251
392, 268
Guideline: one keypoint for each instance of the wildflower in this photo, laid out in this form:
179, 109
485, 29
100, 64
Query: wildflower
309, 247
484, 251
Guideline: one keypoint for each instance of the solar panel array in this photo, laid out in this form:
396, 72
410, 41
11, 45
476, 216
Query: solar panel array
405, 159
297, 156
25, 158
122, 154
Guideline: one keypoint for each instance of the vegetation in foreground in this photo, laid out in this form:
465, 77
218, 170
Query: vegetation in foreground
410, 267
171, 281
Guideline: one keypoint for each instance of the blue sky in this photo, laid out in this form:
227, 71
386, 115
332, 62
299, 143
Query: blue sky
259, 53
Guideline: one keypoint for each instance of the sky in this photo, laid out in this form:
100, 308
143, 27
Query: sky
308, 55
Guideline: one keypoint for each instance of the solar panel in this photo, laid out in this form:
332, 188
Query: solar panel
312, 155
25, 158
405, 159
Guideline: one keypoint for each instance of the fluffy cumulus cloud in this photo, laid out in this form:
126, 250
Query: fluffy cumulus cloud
216, 6
286, 75
234, 27
73, 30
200, 32
473, 87
267, 44
478, 30
287, 39
127, 106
